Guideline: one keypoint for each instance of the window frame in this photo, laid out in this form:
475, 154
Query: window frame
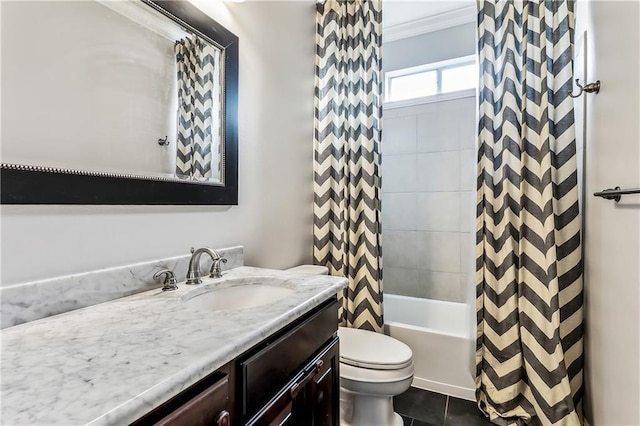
439, 67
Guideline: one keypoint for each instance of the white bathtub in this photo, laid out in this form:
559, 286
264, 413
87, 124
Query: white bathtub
439, 333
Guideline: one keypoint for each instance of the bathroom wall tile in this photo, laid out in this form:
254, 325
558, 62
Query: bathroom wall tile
467, 211
438, 251
391, 113
441, 286
399, 135
438, 211
446, 126
401, 281
399, 173
468, 141
399, 211
402, 112
466, 122
468, 283
400, 249
468, 170
437, 132
439, 171
410, 110
467, 252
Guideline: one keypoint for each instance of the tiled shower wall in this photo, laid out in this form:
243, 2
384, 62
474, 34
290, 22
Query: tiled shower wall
428, 199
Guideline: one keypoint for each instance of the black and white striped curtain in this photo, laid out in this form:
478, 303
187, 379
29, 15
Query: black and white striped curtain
529, 266
198, 127
348, 116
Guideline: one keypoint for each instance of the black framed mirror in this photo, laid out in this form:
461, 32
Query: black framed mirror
166, 137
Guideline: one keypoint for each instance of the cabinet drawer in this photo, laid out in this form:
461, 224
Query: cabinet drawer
266, 372
205, 403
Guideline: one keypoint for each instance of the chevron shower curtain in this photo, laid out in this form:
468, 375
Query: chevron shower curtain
348, 116
529, 266
198, 133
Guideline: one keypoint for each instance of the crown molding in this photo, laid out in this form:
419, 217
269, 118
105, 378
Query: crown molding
463, 15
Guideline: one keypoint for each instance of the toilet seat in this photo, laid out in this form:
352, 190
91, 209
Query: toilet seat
373, 351
362, 376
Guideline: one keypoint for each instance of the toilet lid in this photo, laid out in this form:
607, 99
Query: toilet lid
310, 270
376, 351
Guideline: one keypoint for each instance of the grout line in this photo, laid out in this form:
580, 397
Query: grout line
446, 408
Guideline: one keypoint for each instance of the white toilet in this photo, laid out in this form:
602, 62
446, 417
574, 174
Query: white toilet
373, 369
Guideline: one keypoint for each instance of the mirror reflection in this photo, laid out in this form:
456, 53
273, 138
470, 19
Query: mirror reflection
111, 87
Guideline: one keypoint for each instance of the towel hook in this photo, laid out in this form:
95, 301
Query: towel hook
589, 88
164, 142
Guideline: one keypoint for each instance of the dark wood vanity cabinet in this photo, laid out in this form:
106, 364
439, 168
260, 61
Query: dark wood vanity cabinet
290, 379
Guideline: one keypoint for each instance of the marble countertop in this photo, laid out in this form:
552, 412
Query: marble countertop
111, 363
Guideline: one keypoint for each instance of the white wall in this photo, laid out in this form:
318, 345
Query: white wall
612, 234
274, 217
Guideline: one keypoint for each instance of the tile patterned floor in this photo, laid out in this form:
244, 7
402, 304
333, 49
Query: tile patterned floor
423, 408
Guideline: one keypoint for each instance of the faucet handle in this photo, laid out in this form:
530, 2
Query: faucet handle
215, 271
169, 282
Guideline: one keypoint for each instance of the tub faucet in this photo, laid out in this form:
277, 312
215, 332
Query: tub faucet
193, 273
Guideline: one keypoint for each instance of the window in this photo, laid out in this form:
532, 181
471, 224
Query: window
432, 79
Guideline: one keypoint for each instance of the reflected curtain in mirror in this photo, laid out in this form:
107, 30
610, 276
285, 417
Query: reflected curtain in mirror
198, 138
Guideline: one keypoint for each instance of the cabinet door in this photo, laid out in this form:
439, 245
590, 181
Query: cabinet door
324, 395
290, 406
311, 398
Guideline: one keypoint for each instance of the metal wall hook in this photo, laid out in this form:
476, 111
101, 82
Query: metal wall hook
589, 88
164, 142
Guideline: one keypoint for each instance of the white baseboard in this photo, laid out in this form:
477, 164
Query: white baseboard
451, 390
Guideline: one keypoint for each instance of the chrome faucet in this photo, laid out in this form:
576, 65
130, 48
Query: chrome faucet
169, 281
215, 271
193, 273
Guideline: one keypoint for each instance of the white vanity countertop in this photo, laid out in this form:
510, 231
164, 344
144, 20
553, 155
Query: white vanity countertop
111, 363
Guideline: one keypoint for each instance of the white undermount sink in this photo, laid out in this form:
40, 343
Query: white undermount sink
237, 297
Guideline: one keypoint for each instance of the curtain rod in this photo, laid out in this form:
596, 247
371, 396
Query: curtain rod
616, 193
